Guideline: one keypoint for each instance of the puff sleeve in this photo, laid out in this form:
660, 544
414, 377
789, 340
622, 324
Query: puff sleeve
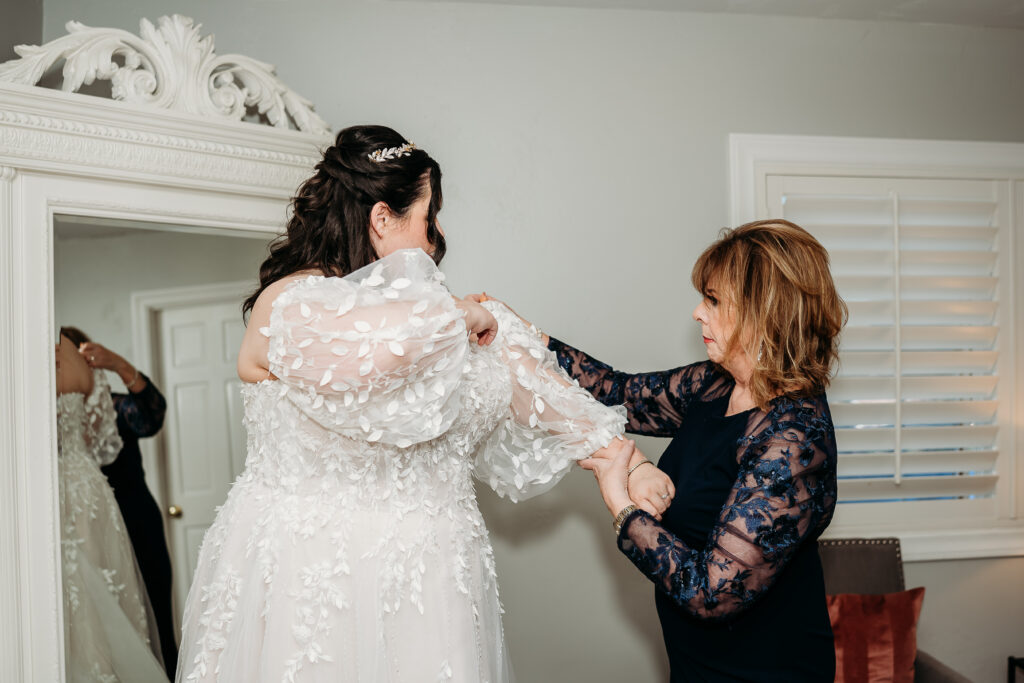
101, 422
551, 424
376, 355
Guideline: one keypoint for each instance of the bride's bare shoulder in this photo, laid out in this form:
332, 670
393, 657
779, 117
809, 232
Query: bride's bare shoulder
265, 301
252, 356
73, 374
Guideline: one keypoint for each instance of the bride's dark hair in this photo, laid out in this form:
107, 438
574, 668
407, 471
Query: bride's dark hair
330, 226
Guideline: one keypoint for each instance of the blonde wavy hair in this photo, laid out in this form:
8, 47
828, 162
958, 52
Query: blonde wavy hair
775, 277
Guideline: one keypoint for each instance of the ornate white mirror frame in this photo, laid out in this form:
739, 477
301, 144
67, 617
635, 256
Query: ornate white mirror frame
172, 151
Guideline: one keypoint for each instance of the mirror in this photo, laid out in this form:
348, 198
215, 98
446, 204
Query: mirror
158, 308
142, 223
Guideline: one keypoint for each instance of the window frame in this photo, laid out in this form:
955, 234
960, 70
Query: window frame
753, 158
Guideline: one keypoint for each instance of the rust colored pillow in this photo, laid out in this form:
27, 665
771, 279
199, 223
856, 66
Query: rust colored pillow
876, 635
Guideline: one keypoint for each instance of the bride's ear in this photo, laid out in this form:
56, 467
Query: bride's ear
380, 216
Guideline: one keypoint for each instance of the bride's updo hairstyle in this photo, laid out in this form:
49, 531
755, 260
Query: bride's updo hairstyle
330, 226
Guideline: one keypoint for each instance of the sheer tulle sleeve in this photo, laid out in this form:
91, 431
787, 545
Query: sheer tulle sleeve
784, 495
376, 355
552, 422
101, 422
655, 401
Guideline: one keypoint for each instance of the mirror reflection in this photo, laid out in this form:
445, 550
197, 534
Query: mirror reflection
149, 427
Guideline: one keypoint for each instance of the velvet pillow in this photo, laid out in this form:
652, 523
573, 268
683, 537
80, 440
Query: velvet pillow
876, 635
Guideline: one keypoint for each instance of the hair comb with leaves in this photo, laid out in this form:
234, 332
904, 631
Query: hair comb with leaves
389, 153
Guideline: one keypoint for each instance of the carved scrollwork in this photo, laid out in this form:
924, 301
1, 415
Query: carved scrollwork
171, 66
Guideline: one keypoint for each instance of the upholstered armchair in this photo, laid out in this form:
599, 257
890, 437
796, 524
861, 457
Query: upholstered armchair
873, 566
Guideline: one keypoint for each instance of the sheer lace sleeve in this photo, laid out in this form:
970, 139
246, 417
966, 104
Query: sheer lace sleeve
142, 412
655, 401
376, 355
552, 422
101, 436
784, 495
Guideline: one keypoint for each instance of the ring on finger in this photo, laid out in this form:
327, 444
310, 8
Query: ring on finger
664, 496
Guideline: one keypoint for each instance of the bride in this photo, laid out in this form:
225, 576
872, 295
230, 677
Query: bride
110, 631
351, 548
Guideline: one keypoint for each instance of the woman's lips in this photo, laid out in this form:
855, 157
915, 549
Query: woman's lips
708, 340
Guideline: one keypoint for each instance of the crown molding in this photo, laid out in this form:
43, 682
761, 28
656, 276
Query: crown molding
169, 66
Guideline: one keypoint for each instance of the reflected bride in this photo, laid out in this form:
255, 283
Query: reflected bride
111, 633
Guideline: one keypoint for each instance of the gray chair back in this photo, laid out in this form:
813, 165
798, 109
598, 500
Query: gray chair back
861, 565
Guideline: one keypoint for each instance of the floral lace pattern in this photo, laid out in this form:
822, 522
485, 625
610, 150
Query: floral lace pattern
142, 411
352, 540
784, 494
550, 414
655, 402
87, 425
111, 630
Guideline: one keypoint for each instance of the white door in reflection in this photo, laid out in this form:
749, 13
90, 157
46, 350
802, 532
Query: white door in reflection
205, 438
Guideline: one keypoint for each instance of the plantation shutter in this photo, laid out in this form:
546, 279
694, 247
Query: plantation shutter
916, 398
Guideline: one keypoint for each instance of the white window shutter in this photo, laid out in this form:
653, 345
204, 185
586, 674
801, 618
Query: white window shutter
920, 395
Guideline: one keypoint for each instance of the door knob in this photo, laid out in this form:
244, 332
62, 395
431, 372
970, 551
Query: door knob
174, 511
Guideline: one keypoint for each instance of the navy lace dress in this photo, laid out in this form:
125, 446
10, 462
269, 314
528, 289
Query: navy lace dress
740, 592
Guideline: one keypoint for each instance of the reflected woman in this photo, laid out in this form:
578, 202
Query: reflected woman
110, 629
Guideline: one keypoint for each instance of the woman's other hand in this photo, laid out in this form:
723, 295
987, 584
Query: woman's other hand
651, 489
609, 466
481, 324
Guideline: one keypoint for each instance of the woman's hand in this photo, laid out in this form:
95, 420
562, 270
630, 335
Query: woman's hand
481, 324
480, 298
102, 358
651, 489
99, 356
609, 466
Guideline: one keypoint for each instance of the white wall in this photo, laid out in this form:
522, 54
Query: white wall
96, 276
22, 24
585, 167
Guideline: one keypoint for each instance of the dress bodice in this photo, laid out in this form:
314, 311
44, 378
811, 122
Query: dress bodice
292, 453
86, 438
87, 424
70, 419
702, 462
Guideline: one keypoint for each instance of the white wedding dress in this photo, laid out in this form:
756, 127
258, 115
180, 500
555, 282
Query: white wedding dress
110, 632
351, 548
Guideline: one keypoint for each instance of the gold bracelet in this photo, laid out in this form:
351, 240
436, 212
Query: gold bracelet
621, 517
135, 379
645, 461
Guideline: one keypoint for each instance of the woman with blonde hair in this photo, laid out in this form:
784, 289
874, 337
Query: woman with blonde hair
740, 592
